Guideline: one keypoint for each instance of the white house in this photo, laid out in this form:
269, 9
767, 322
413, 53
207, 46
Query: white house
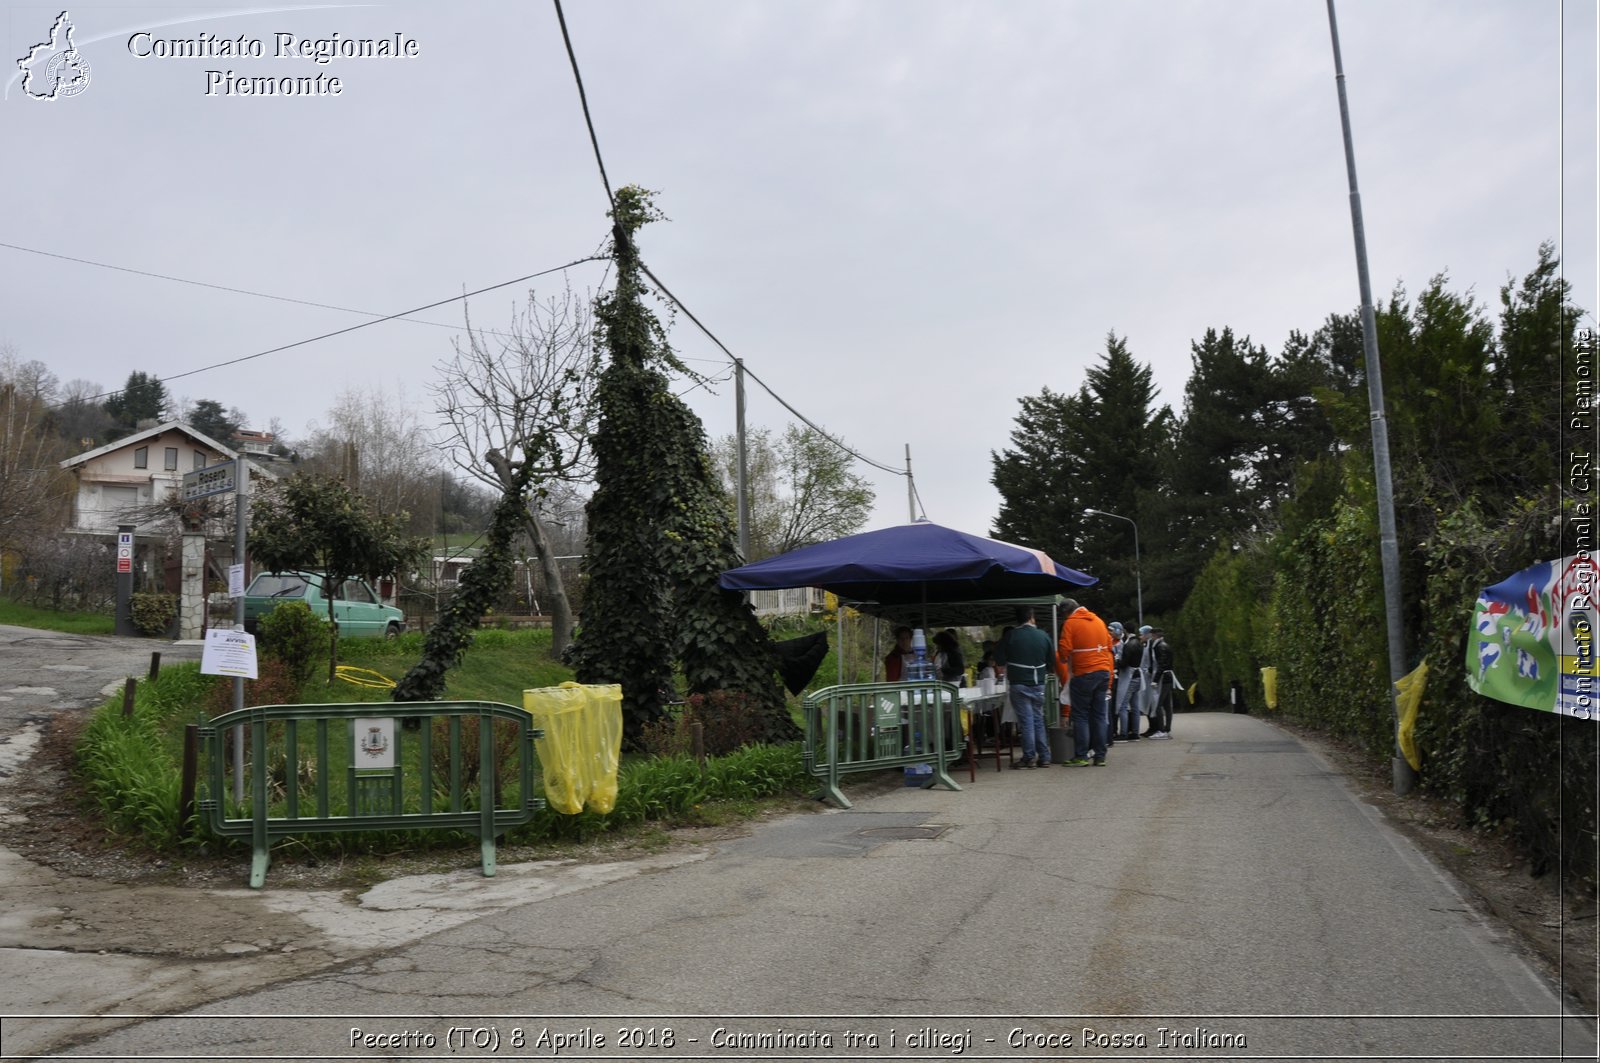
123, 479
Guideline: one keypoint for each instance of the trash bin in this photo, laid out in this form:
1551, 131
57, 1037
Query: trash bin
1060, 744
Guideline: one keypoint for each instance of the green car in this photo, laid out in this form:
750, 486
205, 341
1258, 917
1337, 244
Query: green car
357, 609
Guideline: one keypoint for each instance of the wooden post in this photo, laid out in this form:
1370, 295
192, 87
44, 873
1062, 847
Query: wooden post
155, 665
191, 743
127, 696
698, 731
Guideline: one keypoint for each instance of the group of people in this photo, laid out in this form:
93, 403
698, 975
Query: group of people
1111, 679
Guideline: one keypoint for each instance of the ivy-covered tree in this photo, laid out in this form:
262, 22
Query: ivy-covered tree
659, 530
480, 584
318, 524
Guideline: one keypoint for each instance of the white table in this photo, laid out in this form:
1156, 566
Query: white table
975, 703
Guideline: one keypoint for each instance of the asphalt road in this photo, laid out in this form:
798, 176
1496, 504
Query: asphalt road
1220, 896
44, 673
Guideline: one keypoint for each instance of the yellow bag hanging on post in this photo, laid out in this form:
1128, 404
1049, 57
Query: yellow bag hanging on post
1408, 699
582, 744
1269, 686
604, 730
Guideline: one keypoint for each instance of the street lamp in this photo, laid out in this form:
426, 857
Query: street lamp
1138, 583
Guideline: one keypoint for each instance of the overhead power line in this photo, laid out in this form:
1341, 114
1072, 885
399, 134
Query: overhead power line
594, 141
362, 325
778, 398
583, 99
235, 291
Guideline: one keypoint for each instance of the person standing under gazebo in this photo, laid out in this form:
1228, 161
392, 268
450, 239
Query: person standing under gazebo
1084, 664
1027, 655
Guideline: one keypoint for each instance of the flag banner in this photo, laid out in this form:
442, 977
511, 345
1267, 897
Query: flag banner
1532, 642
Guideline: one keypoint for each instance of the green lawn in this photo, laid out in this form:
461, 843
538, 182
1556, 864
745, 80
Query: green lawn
19, 615
499, 666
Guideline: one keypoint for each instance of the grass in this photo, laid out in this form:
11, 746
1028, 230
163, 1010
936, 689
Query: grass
130, 767
19, 615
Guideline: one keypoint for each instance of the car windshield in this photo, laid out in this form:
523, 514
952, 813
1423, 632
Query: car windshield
277, 585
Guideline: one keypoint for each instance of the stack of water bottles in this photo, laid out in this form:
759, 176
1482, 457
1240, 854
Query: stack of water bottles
919, 670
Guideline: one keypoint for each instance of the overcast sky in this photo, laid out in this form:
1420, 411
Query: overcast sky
903, 216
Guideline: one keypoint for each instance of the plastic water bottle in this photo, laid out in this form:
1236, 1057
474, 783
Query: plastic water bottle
921, 667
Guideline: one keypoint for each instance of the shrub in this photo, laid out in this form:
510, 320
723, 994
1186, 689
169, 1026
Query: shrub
293, 634
728, 718
274, 684
153, 613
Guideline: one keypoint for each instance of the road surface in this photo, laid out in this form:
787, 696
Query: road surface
1220, 896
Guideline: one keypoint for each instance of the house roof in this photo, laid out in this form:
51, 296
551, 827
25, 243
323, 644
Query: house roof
148, 433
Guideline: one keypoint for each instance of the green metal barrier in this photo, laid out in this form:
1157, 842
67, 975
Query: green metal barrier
297, 752
872, 726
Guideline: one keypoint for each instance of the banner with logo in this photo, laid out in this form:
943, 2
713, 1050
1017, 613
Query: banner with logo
1532, 642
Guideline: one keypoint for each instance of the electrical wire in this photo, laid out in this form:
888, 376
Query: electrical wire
234, 291
778, 398
352, 328
594, 141
583, 99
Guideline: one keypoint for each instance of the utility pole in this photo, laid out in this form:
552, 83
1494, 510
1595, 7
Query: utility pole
911, 487
742, 476
1388, 540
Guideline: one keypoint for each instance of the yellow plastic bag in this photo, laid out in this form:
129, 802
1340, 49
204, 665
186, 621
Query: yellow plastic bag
1408, 700
582, 744
1269, 685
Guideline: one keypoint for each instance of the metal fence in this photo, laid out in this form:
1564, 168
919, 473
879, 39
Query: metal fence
370, 766
873, 726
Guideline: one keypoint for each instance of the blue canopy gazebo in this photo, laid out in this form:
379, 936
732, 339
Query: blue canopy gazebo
923, 570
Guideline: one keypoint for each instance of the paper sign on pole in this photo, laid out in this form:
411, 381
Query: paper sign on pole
235, 581
229, 652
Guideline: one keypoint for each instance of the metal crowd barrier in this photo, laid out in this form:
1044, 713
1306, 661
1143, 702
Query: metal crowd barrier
872, 726
297, 752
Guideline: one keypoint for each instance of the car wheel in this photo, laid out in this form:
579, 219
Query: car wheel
392, 631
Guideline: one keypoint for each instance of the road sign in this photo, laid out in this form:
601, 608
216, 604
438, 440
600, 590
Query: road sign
125, 539
124, 564
211, 480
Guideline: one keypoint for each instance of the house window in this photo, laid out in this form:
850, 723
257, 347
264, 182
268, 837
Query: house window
199, 459
118, 501
172, 459
141, 458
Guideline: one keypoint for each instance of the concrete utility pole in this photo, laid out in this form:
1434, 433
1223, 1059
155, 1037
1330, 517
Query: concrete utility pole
911, 487
742, 476
1388, 541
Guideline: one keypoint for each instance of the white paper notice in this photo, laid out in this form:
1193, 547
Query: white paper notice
374, 743
229, 652
235, 581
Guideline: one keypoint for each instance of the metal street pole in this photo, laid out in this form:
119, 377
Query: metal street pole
1388, 541
1138, 580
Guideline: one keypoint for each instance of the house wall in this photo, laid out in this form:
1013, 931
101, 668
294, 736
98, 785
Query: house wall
111, 485
795, 601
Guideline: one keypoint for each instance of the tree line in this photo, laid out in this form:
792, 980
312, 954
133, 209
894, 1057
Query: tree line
1257, 512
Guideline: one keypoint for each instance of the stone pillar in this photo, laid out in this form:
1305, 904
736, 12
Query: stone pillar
192, 595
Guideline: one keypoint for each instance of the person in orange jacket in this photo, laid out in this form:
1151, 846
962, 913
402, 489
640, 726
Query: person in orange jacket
1084, 662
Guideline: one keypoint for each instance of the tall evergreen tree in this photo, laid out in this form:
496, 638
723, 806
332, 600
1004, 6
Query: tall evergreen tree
659, 531
1035, 477
1093, 449
143, 398
1215, 468
1534, 367
208, 417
